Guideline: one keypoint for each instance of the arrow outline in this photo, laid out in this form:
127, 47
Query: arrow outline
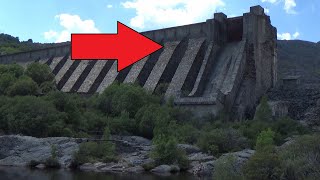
118, 22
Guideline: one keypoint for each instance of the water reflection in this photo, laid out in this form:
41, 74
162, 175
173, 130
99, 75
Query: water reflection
14, 173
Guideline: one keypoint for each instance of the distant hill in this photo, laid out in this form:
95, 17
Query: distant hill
10, 45
302, 58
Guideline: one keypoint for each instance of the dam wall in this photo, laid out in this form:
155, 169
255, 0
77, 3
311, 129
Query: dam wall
222, 64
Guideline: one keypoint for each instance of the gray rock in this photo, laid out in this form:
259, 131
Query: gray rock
202, 168
189, 148
200, 157
41, 166
135, 169
162, 169
87, 167
18, 150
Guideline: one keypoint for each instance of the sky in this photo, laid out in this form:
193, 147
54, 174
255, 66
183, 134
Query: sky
54, 20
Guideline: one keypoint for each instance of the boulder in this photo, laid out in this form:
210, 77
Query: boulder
202, 157
87, 167
41, 166
162, 169
189, 149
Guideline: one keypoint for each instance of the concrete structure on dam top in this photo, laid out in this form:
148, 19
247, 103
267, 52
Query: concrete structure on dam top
221, 64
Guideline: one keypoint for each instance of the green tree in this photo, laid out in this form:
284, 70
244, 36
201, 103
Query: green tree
6, 80
23, 86
263, 112
40, 73
30, 115
265, 163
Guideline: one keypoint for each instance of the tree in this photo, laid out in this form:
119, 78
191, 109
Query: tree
265, 163
263, 112
31, 116
23, 86
40, 73
6, 80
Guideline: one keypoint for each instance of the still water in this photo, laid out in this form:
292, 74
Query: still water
14, 173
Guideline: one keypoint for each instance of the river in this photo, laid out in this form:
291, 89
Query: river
18, 173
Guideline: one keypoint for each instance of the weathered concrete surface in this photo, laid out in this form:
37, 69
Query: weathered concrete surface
84, 88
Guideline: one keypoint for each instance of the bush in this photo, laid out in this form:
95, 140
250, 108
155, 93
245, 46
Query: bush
23, 86
33, 163
265, 163
226, 169
187, 134
122, 124
301, 158
219, 141
52, 163
6, 80
39, 73
167, 152
30, 116
124, 97
93, 151
14, 69
47, 87
263, 112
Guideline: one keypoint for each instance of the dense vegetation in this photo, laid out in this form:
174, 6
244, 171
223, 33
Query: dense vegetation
31, 105
10, 45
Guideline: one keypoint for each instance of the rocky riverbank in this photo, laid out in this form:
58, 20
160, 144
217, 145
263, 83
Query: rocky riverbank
132, 154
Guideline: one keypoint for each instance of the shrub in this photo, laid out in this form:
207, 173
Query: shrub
30, 116
265, 163
167, 152
187, 134
122, 124
226, 169
6, 80
48, 86
14, 69
124, 97
52, 163
93, 151
301, 158
39, 73
23, 86
33, 163
219, 141
263, 112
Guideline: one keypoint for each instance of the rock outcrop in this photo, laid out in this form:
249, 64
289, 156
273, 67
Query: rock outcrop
132, 153
18, 150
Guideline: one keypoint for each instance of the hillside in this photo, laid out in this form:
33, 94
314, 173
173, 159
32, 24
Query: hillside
302, 58
10, 45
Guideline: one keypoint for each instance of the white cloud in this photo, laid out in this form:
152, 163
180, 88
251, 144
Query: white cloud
296, 35
165, 13
109, 6
70, 24
270, 1
289, 5
266, 10
288, 36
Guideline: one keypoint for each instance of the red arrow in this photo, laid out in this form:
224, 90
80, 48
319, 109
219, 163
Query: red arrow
127, 46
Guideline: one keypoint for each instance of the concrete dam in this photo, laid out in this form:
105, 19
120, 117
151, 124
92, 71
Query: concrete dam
223, 64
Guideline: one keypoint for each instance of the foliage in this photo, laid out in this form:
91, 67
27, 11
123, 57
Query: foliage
122, 124
167, 152
6, 80
14, 69
23, 86
124, 97
95, 151
30, 115
187, 134
301, 158
217, 141
263, 112
265, 163
52, 163
226, 169
39, 73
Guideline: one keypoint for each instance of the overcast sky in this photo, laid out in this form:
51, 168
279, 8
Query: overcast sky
54, 20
